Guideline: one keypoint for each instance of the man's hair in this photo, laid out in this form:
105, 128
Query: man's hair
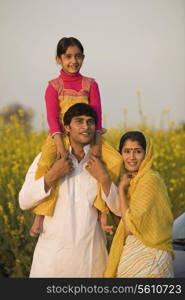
79, 109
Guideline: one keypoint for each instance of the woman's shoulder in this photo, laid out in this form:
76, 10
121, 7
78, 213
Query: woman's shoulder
151, 182
152, 177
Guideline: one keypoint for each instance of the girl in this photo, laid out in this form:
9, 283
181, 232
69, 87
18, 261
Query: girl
68, 88
142, 245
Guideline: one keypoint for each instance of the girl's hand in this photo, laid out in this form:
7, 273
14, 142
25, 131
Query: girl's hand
61, 153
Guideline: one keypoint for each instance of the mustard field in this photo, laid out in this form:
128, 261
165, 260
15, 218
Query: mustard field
18, 147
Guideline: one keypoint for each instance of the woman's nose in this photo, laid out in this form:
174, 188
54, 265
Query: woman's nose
132, 154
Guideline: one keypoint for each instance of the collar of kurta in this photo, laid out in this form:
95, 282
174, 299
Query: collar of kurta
86, 151
70, 77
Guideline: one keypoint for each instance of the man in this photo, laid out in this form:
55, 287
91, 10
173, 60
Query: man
72, 243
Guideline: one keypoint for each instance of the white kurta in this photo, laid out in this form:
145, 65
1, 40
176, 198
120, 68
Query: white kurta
72, 243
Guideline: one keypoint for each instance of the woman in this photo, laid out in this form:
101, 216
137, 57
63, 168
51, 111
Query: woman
142, 245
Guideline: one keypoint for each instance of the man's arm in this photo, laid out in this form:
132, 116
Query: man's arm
112, 200
60, 168
34, 191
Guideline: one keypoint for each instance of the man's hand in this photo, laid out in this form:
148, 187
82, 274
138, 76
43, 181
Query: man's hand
60, 168
96, 168
37, 226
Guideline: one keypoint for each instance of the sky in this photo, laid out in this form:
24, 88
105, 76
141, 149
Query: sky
129, 45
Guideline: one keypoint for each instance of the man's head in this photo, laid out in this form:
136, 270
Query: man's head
79, 122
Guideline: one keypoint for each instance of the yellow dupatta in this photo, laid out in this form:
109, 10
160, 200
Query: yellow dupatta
149, 215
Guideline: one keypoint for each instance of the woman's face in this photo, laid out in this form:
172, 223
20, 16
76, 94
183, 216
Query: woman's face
133, 155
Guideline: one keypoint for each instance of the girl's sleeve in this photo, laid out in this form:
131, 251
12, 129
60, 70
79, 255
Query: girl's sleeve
52, 109
95, 102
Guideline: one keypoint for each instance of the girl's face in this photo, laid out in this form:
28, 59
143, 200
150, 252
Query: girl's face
133, 155
71, 61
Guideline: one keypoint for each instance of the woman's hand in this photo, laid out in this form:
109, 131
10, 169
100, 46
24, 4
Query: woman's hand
122, 187
125, 182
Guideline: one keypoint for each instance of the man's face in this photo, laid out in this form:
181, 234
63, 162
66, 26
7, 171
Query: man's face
81, 130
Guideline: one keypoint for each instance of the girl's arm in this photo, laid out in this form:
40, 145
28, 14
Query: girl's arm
52, 108
95, 102
96, 147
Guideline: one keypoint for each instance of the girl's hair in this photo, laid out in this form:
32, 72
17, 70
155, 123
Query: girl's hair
133, 136
65, 42
79, 109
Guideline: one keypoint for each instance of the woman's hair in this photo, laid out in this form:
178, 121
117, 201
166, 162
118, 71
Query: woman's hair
133, 136
79, 109
65, 42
